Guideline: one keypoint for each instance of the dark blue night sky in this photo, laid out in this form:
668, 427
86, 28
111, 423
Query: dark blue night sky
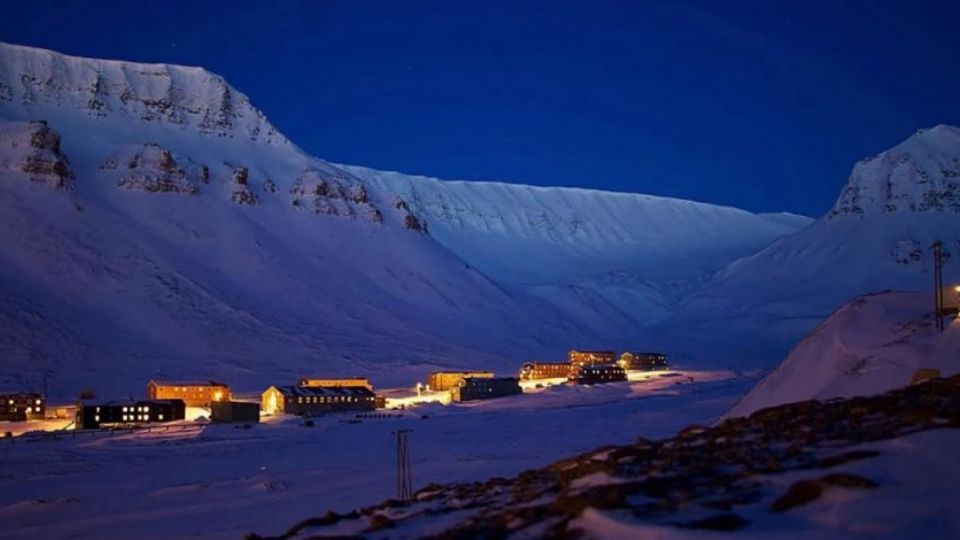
750, 104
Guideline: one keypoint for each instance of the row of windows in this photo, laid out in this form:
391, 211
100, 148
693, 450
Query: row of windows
132, 417
10, 402
330, 399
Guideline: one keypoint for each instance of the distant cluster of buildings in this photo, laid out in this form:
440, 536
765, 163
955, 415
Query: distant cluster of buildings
594, 367
167, 400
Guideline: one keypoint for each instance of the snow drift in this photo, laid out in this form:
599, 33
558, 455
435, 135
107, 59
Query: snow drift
871, 345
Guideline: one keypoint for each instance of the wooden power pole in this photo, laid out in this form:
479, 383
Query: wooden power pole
938, 283
404, 482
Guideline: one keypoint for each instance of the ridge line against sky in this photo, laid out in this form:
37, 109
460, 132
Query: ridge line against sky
758, 106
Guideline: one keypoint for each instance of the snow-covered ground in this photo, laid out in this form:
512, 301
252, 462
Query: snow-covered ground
871, 345
219, 481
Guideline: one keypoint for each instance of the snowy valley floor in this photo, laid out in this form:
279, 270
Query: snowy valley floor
218, 481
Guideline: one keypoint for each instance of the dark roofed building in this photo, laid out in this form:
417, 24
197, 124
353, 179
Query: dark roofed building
312, 400
471, 388
94, 414
597, 374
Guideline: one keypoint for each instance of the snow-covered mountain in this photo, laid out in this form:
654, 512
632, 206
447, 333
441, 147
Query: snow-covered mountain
877, 237
156, 224
869, 346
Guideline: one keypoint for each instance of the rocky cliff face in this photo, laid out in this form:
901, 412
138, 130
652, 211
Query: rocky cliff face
175, 96
921, 174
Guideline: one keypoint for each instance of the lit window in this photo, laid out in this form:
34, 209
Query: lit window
124, 409
38, 402
160, 416
96, 418
98, 409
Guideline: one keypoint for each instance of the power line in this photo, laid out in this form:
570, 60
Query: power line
938, 283
404, 481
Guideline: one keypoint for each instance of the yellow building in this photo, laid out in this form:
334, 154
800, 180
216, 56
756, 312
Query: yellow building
445, 380
335, 382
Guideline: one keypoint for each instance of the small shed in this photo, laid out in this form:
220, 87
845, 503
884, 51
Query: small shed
235, 411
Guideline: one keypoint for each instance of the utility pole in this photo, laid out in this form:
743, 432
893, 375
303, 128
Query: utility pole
404, 483
938, 283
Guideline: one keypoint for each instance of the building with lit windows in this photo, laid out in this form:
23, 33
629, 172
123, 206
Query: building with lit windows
545, 370
647, 361
22, 406
193, 393
446, 380
316, 400
94, 415
335, 382
597, 374
589, 358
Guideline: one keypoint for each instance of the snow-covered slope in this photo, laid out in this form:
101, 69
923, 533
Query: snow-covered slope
871, 345
159, 225
635, 255
877, 237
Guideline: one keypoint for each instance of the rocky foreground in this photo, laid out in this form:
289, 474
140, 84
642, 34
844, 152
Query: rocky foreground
703, 478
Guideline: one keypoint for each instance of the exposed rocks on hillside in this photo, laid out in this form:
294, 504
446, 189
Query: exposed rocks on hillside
410, 221
155, 170
242, 193
334, 193
698, 479
922, 174
33, 148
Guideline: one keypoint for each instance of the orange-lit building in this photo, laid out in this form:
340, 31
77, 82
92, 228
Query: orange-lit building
589, 358
648, 361
335, 382
445, 380
22, 406
545, 370
193, 393
597, 374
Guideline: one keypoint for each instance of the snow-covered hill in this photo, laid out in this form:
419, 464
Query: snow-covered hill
159, 225
873, 344
877, 237
637, 255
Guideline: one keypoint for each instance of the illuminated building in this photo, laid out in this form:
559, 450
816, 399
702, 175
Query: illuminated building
94, 414
335, 382
597, 374
545, 370
193, 393
314, 400
445, 380
648, 361
22, 406
587, 358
